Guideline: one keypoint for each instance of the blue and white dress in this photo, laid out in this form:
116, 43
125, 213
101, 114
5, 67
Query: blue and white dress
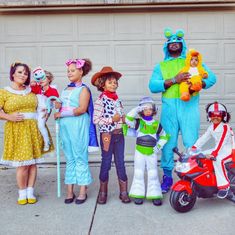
74, 133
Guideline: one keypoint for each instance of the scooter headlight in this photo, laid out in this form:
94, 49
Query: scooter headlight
182, 167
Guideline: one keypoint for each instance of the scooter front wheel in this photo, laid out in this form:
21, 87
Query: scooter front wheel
181, 201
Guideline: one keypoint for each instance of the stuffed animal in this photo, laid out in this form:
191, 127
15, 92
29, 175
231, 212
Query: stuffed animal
193, 65
39, 74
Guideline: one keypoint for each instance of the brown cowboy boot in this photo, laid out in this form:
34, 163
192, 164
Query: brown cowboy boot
123, 192
102, 197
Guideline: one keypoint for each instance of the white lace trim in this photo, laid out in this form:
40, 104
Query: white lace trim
26, 91
22, 163
29, 162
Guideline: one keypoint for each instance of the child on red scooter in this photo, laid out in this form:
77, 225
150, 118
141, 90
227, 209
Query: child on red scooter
222, 133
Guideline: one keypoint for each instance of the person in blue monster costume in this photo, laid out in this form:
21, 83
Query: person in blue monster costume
177, 115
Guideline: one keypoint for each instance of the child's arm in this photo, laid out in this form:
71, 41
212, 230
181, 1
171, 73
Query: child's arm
131, 117
51, 92
35, 88
163, 138
98, 114
202, 140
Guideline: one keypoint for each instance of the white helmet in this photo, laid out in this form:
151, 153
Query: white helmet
216, 109
147, 102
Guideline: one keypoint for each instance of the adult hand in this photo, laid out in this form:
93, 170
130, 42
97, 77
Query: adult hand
205, 75
116, 117
57, 115
182, 77
16, 117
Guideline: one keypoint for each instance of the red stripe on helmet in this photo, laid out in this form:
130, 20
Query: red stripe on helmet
216, 107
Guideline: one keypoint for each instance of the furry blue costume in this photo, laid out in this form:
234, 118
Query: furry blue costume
177, 115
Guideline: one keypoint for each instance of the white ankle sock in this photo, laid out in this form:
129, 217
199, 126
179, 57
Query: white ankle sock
22, 194
30, 191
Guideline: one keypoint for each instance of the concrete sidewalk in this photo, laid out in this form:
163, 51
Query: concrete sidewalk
51, 216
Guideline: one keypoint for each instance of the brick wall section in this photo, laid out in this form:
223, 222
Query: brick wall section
59, 2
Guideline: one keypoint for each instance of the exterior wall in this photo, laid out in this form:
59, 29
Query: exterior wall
59, 2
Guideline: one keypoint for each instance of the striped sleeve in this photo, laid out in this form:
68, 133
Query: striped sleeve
99, 113
220, 144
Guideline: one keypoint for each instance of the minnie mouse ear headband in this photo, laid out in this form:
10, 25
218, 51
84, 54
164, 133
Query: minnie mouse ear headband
104, 71
78, 62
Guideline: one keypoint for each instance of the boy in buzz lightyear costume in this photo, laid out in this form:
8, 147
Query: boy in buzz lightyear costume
177, 115
150, 139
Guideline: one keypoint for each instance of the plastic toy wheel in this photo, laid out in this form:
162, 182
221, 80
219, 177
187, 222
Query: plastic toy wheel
181, 201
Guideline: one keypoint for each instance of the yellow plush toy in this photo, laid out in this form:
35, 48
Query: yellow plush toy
193, 65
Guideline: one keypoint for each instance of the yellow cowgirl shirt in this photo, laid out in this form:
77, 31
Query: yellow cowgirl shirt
23, 143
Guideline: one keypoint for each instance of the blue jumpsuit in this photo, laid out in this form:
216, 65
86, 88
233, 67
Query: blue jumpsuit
74, 133
177, 115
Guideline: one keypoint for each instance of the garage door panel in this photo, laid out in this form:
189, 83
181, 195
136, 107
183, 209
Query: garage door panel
131, 84
204, 25
58, 28
211, 51
55, 56
156, 54
212, 92
130, 27
99, 54
130, 55
24, 29
2, 20
229, 80
229, 25
94, 27
22, 53
229, 53
158, 22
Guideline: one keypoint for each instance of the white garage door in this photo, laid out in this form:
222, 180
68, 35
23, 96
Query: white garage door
131, 43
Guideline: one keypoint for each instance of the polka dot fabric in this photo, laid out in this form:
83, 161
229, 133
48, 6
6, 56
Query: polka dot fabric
23, 143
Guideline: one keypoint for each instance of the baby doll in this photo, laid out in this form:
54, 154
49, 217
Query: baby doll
194, 67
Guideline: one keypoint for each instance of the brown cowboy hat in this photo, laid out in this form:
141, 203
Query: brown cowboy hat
104, 71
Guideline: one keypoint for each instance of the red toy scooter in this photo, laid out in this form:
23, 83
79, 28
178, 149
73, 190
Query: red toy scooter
197, 179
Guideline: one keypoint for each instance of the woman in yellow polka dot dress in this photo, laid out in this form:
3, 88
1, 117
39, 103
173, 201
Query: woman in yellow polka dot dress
23, 143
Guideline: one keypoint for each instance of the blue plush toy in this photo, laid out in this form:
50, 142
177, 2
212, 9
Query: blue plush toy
39, 74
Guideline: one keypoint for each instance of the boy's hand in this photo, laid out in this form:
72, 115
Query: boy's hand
205, 75
116, 118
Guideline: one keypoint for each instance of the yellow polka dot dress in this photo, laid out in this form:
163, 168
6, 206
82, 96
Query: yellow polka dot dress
23, 143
